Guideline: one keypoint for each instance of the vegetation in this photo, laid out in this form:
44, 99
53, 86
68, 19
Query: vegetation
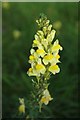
19, 27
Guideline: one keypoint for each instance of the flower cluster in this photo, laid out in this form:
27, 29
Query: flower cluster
44, 53
44, 58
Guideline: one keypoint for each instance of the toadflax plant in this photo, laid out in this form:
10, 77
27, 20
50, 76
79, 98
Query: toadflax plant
44, 59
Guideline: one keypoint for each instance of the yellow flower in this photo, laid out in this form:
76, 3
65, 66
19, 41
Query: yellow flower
57, 56
22, 105
55, 59
35, 56
36, 43
56, 47
31, 57
48, 59
32, 72
54, 69
40, 52
40, 68
22, 108
46, 97
37, 69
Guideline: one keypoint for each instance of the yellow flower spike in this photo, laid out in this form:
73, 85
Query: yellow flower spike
40, 68
54, 69
46, 97
40, 52
48, 59
22, 105
43, 59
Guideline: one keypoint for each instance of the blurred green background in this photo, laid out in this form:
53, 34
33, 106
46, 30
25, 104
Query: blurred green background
19, 28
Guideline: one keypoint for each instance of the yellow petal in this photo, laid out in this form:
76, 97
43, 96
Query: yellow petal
48, 58
22, 108
40, 52
54, 69
36, 42
44, 100
46, 97
31, 57
56, 46
30, 70
57, 56
39, 67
